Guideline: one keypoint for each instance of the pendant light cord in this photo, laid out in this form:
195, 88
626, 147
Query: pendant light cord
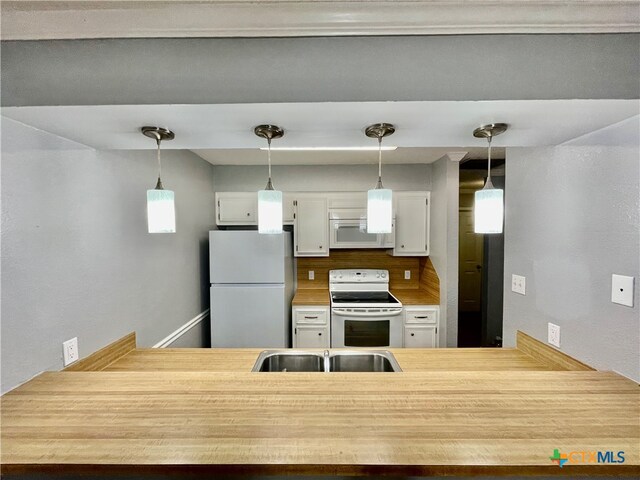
489, 156
159, 184
269, 183
379, 163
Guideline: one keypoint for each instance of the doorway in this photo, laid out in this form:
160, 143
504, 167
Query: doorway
480, 264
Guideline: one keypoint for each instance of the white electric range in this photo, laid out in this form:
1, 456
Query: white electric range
363, 311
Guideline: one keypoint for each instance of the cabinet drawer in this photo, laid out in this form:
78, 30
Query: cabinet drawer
317, 316
421, 316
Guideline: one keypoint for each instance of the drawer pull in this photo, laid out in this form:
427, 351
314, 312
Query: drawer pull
421, 316
308, 317
320, 334
413, 334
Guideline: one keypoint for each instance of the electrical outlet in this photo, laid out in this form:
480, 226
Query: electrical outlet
312, 275
553, 334
518, 284
622, 290
407, 274
70, 351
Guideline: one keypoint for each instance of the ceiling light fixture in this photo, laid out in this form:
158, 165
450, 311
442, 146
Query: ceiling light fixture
161, 211
379, 200
328, 149
269, 199
488, 209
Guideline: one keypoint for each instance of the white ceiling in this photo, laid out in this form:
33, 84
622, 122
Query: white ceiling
223, 134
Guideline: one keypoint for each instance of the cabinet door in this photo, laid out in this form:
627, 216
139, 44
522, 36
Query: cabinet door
237, 208
421, 336
287, 208
412, 223
311, 227
311, 337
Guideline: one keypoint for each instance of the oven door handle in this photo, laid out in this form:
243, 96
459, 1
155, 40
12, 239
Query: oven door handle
345, 313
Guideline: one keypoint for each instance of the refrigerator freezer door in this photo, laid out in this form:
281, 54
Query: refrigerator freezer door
249, 316
246, 257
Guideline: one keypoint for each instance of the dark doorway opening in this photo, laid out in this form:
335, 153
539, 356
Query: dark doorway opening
480, 264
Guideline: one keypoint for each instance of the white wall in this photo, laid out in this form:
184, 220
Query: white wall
321, 178
572, 220
76, 256
444, 244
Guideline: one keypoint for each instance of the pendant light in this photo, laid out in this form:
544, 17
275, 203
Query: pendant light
269, 199
379, 200
161, 211
488, 209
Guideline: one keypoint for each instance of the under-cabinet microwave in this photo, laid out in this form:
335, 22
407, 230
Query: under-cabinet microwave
348, 229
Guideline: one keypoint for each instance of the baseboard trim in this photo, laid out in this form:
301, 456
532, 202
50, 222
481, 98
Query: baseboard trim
172, 337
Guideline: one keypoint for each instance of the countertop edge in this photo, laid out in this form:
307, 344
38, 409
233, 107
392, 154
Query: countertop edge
631, 470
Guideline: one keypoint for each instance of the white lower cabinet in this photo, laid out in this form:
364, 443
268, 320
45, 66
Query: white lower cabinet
421, 324
309, 336
420, 336
311, 327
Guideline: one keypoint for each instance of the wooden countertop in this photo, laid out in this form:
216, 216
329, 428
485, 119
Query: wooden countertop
320, 296
311, 296
165, 412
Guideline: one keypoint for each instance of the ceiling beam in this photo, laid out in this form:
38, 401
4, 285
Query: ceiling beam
50, 20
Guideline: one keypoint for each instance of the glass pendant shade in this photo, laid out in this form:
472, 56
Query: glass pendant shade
488, 210
379, 210
161, 211
269, 211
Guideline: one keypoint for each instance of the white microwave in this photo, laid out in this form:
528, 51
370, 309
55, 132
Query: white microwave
348, 229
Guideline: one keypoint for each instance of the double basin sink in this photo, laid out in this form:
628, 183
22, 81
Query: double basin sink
327, 361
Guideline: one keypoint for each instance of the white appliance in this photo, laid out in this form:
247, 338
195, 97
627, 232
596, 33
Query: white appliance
348, 229
252, 284
363, 311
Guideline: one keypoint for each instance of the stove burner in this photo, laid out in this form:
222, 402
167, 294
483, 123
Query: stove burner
363, 297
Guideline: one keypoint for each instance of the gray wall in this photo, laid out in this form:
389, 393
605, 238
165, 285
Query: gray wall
76, 257
444, 244
257, 70
572, 220
321, 178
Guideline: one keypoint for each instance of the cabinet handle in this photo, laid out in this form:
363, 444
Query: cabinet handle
310, 317
401, 246
320, 247
248, 214
320, 334
413, 334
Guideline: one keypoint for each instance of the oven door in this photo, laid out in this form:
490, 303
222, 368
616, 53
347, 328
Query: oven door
356, 327
353, 234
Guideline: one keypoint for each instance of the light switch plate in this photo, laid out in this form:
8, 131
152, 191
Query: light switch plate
622, 290
70, 351
312, 275
407, 274
518, 284
554, 334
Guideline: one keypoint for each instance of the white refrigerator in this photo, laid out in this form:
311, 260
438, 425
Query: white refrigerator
252, 285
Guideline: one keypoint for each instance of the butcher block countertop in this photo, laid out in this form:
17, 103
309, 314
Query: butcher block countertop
450, 412
407, 296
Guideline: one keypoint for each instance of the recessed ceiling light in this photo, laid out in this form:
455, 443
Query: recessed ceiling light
328, 149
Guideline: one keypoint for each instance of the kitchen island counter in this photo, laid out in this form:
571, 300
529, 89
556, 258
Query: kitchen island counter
451, 412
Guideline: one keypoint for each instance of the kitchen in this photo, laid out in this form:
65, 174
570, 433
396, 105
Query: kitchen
78, 261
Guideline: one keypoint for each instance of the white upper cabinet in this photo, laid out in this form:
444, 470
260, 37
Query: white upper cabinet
412, 223
311, 226
237, 208
241, 208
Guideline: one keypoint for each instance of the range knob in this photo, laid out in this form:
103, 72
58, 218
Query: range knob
377, 275
384, 274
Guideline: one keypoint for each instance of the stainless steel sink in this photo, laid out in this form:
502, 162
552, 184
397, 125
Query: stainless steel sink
289, 361
326, 361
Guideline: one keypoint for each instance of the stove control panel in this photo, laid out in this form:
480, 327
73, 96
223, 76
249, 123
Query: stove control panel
358, 276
